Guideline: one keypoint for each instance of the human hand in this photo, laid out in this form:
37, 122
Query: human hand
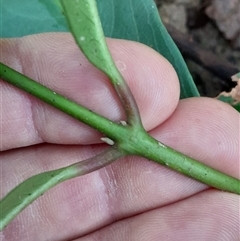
133, 198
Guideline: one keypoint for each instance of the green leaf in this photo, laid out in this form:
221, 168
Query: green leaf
85, 25
136, 20
20, 18
25, 193
32, 188
139, 20
86, 28
58, 3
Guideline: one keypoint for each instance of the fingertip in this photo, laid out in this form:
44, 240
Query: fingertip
54, 60
205, 129
151, 78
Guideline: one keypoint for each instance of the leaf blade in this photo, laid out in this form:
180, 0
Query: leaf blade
29, 190
35, 16
141, 23
87, 30
85, 25
136, 20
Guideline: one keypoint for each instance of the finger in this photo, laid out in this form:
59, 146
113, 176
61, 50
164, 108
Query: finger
211, 215
128, 187
55, 61
206, 129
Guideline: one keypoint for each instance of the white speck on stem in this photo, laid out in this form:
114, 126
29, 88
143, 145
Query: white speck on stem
82, 38
121, 65
54, 93
107, 140
160, 144
124, 123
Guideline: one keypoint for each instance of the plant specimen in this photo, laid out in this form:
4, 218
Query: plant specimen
126, 137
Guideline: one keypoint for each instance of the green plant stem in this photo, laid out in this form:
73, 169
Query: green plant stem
32, 188
142, 144
99, 161
69, 107
85, 25
131, 140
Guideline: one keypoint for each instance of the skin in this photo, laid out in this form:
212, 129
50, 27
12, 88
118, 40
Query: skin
133, 198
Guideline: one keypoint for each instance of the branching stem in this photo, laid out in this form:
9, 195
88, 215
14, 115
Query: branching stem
92, 43
125, 138
130, 140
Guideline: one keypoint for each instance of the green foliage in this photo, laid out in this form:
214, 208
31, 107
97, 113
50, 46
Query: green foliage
29, 190
136, 20
20, 18
127, 139
139, 20
87, 31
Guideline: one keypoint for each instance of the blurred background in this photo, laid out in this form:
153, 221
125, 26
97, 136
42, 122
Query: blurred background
208, 34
